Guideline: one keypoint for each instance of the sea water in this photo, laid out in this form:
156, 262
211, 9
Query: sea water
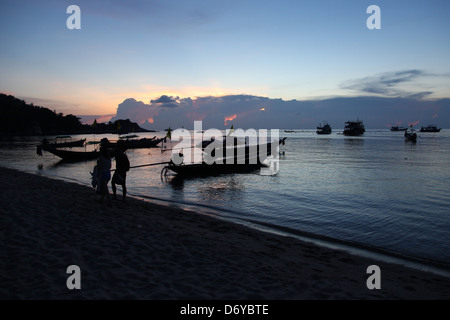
375, 193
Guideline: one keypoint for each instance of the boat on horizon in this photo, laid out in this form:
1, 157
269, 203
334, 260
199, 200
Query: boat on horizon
396, 128
354, 128
430, 128
324, 129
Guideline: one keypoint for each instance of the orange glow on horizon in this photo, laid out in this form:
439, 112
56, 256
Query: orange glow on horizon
104, 118
230, 118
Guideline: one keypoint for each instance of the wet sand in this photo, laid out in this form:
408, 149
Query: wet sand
141, 250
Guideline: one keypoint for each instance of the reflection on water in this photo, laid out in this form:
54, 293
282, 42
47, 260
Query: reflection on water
374, 189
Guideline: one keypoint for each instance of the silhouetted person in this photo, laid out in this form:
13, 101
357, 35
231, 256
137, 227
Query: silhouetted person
120, 175
104, 172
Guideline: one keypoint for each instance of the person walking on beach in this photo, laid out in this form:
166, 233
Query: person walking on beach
120, 175
104, 173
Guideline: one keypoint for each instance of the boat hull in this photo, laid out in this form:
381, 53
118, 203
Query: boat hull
412, 137
69, 144
67, 155
430, 129
203, 169
398, 129
248, 159
354, 128
324, 129
138, 144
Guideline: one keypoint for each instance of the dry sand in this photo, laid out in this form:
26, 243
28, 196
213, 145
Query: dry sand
141, 250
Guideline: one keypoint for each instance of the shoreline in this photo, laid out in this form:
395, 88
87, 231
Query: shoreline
353, 248
140, 250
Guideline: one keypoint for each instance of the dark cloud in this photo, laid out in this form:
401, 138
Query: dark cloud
166, 101
388, 84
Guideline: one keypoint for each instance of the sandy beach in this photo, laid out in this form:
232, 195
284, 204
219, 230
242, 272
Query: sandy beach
141, 250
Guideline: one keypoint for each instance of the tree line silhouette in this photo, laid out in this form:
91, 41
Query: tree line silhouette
21, 118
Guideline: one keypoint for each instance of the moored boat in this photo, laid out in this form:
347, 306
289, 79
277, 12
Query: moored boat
69, 155
63, 142
354, 128
430, 128
397, 128
204, 169
324, 128
138, 143
243, 158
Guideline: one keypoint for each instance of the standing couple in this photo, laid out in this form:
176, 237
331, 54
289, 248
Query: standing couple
104, 171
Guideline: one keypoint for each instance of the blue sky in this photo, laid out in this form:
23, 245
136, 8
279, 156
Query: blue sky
277, 49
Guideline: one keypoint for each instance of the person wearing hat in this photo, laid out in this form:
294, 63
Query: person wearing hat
104, 172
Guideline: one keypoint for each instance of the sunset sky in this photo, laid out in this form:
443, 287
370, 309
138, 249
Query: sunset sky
183, 49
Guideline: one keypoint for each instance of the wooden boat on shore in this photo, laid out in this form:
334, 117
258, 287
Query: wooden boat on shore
69, 155
396, 128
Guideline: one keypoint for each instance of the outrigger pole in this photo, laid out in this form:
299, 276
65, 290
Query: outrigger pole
147, 165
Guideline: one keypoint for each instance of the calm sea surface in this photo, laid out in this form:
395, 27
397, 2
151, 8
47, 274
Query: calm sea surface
376, 192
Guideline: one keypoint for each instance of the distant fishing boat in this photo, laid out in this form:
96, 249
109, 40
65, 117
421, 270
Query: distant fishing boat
354, 128
430, 128
324, 128
396, 128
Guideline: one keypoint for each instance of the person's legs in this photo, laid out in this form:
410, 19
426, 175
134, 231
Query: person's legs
105, 192
113, 186
124, 191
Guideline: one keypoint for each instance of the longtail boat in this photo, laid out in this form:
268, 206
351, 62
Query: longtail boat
248, 159
69, 155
